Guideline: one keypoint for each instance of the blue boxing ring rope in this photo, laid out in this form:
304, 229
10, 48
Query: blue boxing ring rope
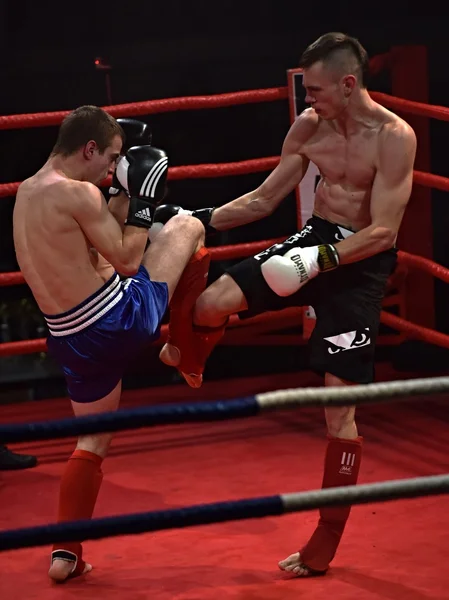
250, 406
251, 508
220, 512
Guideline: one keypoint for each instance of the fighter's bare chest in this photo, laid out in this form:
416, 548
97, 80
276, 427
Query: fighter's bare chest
342, 160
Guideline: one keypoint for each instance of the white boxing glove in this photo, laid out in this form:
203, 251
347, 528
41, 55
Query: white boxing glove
288, 273
162, 215
154, 230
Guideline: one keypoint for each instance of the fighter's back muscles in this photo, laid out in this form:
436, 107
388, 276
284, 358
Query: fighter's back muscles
56, 223
286, 176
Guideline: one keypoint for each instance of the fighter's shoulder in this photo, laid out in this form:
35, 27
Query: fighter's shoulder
83, 192
304, 126
396, 130
59, 186
81, 188
24, 187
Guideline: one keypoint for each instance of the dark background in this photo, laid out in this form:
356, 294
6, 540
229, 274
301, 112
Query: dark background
168, 49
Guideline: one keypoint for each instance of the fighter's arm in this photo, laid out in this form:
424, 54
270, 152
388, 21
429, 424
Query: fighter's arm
123, 250
262, 201
118, 206
389, 196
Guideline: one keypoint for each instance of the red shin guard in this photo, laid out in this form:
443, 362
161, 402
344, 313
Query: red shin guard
341, 468
206, 338
79, 489
181, 332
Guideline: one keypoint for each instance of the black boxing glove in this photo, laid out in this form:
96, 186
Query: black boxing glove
137, 133
165, 212
205, 215
142, 173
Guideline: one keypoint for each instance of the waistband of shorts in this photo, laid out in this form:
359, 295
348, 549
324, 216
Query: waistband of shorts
88, 312
344, 232
341, 232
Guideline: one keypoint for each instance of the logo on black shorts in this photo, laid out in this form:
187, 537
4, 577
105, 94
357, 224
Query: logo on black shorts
282, 248
348, 341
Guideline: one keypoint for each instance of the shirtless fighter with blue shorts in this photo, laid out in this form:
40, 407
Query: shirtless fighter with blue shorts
103, 296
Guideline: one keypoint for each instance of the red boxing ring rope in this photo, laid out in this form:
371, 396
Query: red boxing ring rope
288, 317
254, 165
148, 107
136, 109
261, 324
250, 248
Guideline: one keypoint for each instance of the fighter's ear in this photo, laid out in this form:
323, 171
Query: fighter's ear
89, 149
349, 83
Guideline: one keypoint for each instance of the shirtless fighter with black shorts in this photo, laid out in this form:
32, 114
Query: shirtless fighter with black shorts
339, 263
102, 294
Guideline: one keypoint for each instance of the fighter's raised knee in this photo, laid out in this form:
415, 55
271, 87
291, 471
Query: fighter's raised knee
180, 221
186, 220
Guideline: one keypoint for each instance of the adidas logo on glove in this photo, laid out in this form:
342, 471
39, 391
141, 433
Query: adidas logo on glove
143, 214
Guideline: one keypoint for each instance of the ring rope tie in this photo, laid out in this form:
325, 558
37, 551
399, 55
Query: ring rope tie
249, 406
220, 512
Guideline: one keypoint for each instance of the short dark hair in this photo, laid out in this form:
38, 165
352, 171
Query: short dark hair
335, 45
84, 124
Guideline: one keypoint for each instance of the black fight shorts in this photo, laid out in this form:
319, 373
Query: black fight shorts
347, 301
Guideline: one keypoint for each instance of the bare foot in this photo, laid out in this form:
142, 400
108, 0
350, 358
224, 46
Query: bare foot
61, 570
171, 356
293, 564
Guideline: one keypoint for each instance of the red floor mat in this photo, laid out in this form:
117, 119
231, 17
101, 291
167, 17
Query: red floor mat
392, 550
